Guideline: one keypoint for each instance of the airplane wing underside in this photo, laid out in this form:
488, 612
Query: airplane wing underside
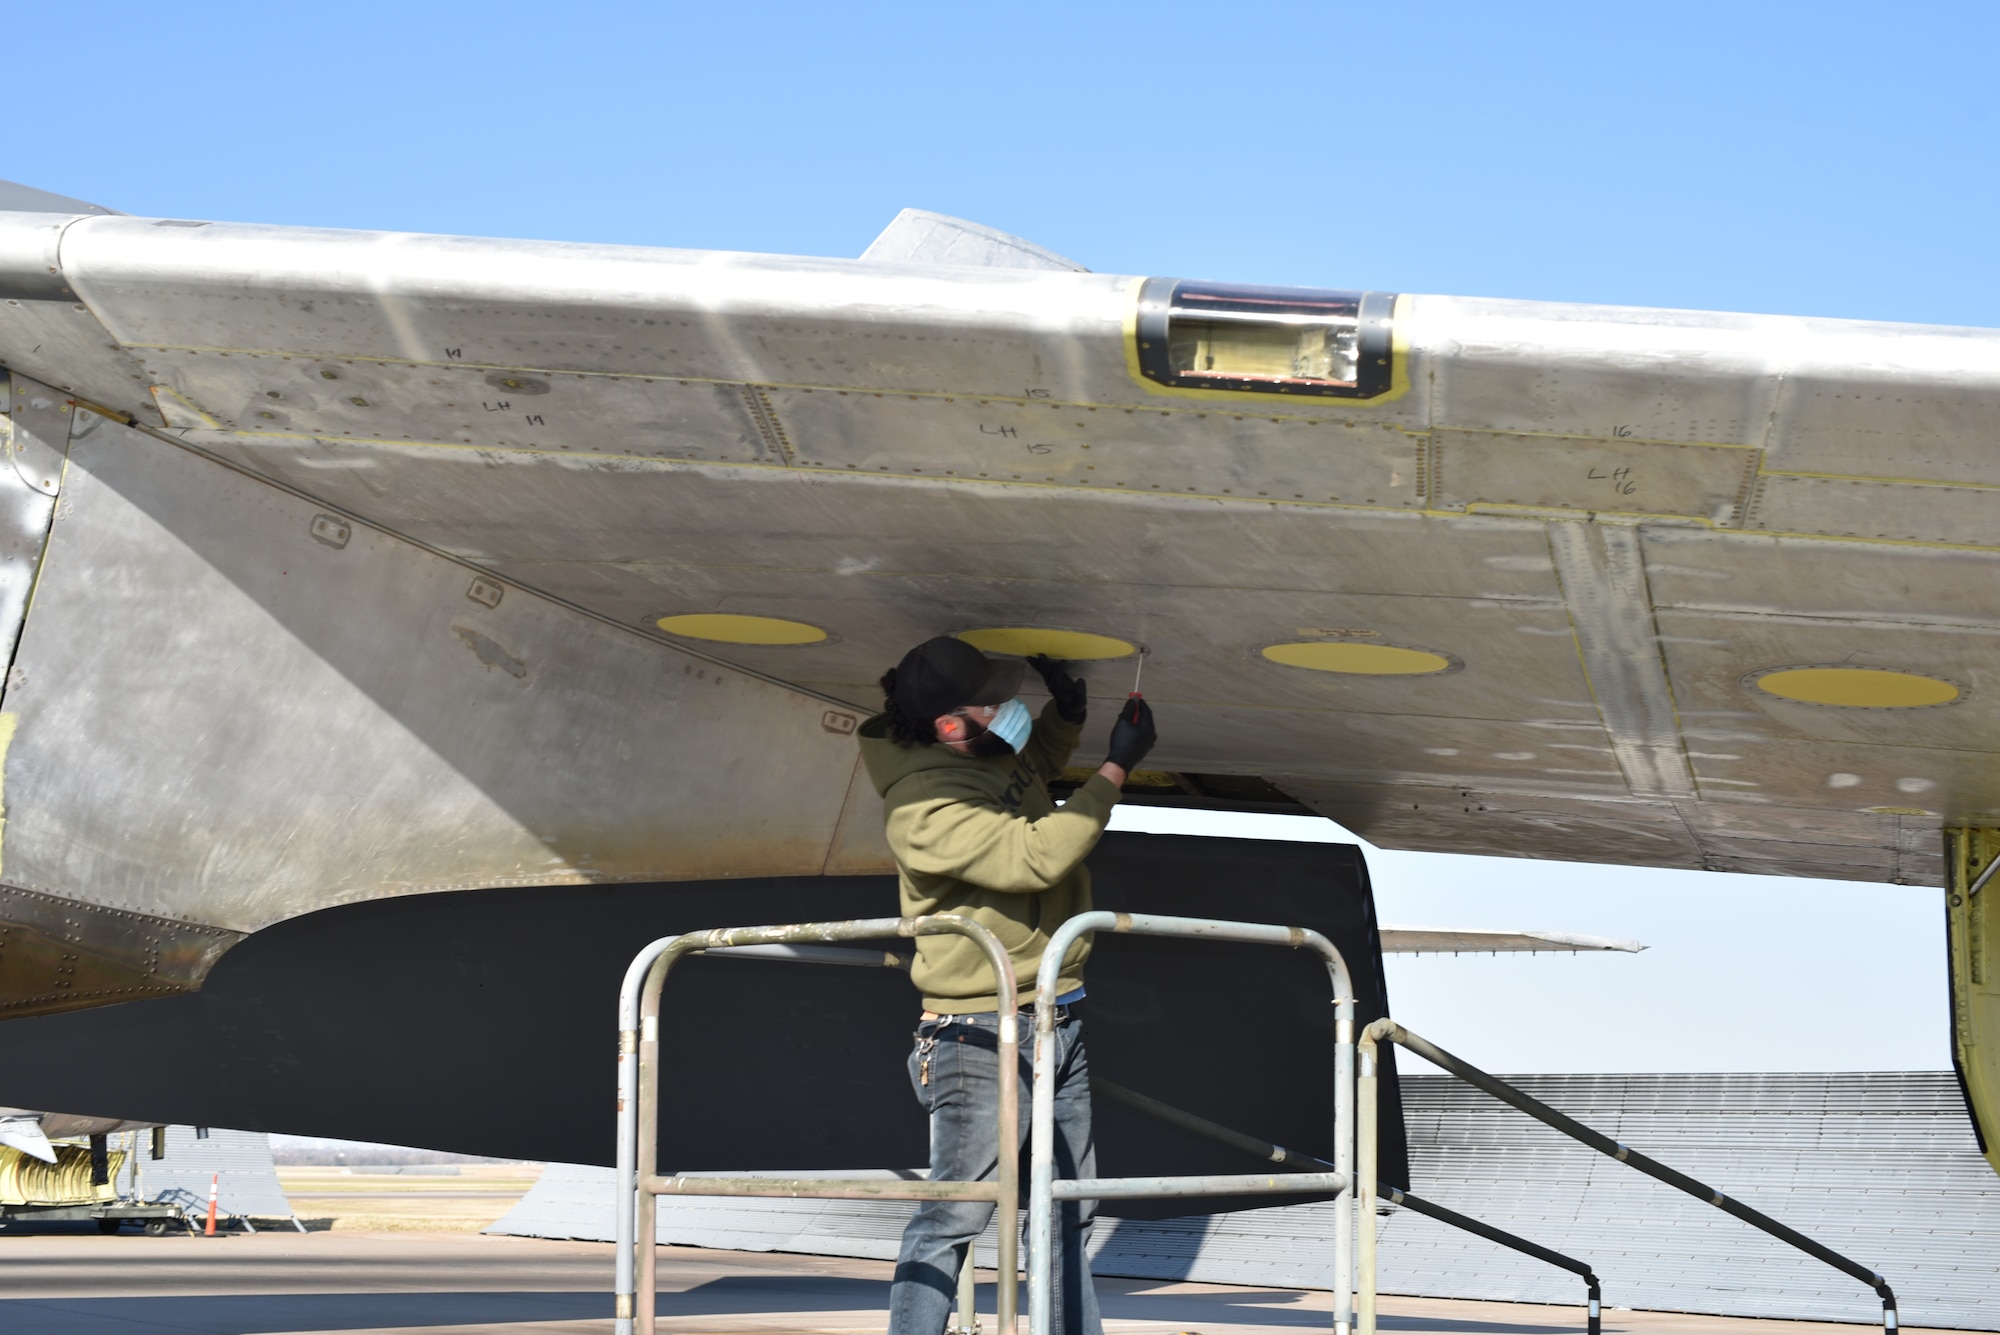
391, 563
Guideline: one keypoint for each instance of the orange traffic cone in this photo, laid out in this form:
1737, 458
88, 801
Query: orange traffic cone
213, 1180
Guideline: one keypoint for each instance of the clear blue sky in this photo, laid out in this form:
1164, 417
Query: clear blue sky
1822, 159
1825, 158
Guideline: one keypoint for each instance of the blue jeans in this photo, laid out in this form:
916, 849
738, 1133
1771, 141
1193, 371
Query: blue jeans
955, 1071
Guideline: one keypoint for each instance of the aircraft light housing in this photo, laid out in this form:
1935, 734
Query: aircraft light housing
1266, 340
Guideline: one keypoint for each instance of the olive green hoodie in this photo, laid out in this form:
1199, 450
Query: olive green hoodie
983, 838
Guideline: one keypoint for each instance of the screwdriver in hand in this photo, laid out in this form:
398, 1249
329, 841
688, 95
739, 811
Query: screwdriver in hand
1138, 672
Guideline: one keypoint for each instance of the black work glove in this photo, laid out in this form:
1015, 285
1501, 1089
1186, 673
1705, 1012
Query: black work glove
1133, 735
1072, 695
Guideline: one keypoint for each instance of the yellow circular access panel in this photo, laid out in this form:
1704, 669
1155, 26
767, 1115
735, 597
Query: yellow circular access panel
729, 628
1857, 688
1072, 646
1365, 660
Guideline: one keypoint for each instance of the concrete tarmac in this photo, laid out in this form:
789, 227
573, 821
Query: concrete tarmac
472, 1284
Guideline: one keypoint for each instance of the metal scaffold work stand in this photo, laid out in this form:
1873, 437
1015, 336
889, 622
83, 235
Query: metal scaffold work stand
640, 1185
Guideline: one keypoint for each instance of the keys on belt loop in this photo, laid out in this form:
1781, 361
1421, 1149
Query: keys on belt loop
924, 1048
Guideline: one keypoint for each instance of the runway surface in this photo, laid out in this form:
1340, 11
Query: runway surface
460, 1284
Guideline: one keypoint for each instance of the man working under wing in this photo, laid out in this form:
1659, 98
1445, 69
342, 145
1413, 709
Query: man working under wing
964, 771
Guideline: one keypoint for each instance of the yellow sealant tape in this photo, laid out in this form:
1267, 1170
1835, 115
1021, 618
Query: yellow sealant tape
1365, 660
1858, 688
1072, 646
730, 628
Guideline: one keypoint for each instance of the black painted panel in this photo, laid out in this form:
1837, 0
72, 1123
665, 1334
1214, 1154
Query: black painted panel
485, 1022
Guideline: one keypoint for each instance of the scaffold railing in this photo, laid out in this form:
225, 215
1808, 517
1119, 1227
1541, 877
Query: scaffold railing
640, 1185
1279, 1154
1386, 1030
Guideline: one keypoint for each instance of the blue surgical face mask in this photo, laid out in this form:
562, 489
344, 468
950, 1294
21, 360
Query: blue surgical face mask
1012, 723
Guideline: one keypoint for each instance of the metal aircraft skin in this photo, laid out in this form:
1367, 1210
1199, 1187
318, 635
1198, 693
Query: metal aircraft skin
343, 564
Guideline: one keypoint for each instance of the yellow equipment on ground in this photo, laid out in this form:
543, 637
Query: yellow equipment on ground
25, 1180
